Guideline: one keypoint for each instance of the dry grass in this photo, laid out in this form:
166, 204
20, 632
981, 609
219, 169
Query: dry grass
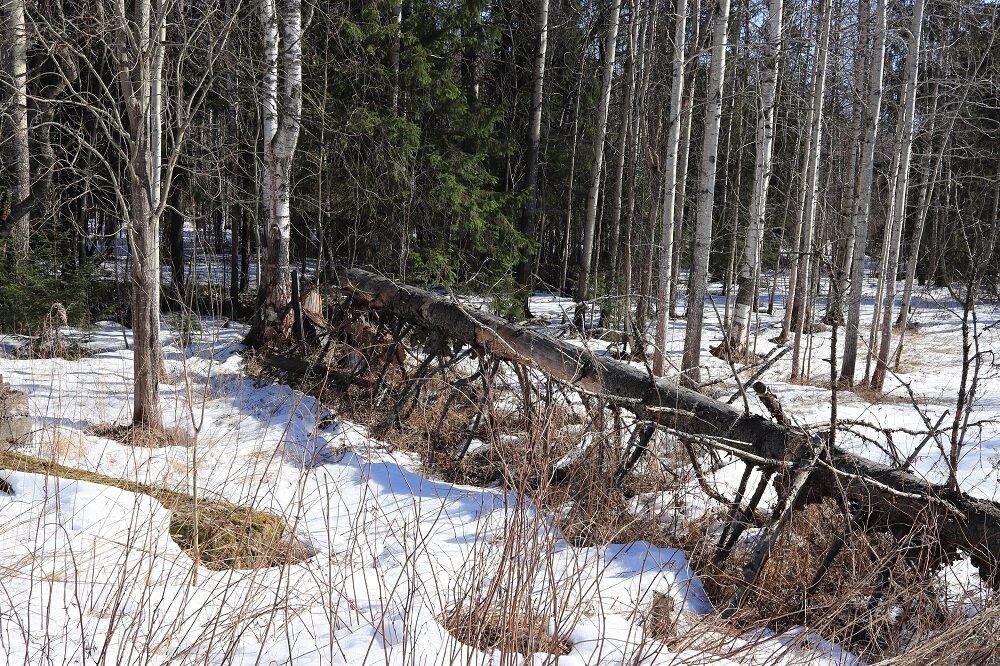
505, 630
908, 604
230, 536
140, 436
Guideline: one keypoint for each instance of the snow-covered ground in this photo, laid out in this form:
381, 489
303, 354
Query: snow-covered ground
91, 575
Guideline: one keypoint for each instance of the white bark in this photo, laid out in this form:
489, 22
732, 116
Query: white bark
528, 214
706, 200
862, 202
19, 119
601, 128
811, 185
282, 121
749, 268
905, 151
670, 188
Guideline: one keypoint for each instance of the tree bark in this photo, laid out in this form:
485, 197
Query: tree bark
18, 34
670, 188
811, 186
749, 268
601, 128
528, 213
282, 121
862, 203
902, 180
691, 372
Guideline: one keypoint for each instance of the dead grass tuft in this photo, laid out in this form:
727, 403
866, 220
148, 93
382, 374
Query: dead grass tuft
141, 436
230, 536
507, 631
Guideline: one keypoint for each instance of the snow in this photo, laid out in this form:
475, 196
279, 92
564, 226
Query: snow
91, 575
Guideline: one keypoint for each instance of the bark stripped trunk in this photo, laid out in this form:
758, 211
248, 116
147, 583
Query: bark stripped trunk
902, 181
749, 268
691, 372
601, 128
862, 204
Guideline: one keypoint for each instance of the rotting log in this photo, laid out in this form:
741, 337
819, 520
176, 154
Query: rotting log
887, 497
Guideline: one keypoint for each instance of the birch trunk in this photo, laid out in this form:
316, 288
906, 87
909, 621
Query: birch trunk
528, 223
623, 152
590, 219
902, 181
670, 188
811, 185
691, 372
281, 124
749, 268
862, 202
21, 233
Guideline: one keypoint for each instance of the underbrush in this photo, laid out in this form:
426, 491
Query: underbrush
492, 425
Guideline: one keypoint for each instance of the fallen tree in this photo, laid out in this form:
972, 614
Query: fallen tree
883, 497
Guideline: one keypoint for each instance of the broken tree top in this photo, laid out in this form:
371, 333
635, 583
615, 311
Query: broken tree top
886, 497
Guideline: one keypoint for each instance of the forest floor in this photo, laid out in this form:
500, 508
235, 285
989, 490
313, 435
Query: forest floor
90, 573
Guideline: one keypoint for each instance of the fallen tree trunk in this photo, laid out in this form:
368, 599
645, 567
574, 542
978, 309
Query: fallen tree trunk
888, 497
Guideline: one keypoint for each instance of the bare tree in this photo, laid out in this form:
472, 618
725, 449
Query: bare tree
282, 120
902, 179
749, 267
18, 35
601, 129
862, 201
528, 213
670, 187
803, 263
706, 200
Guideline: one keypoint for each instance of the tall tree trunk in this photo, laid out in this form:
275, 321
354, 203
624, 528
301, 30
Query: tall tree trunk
749, 268
601, 128
17, 32
691, 372
282, 121
905, 150
141, 83
862, 203
811, 186
568, 235
670, 188
623, 150
528, 213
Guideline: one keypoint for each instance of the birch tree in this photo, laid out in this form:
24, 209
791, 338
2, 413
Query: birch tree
691, 372
600, 132
902, 179
862, 202
803, 265
749, 268
670, 188
18, 35
528, 213
282, 119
